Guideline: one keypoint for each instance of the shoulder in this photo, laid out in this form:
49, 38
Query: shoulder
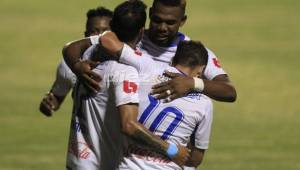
200, 101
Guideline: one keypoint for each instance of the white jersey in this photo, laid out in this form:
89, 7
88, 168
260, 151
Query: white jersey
65, 79
164, 55
175, 121
96, 141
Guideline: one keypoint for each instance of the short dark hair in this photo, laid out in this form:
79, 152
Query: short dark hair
190, 54
173, 3
128, 18
98, 12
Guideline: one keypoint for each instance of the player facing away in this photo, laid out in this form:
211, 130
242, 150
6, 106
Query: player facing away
160, 43
176, 121
97, 22
96, 141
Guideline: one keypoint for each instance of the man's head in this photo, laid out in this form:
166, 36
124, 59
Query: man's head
97, 21
192, 56
166, 17
129, 20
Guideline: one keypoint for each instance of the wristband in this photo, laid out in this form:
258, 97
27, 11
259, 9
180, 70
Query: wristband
172, 150
94, 39
198, 84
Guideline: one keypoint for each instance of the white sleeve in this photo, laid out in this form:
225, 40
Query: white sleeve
140, 62
213, 67
126, 83
202, 132
65, 80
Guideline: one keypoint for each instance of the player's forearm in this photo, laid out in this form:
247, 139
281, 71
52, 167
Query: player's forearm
219, 90
196, 156
73, 51
143, 135
110, 42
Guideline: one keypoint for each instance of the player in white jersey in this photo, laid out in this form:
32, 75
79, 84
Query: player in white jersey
160, 43
175, 121
95, 139
97, 22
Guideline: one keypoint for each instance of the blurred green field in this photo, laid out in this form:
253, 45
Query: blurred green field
257, 42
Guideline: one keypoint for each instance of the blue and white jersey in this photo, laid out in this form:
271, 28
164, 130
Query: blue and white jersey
164, 55
96, 141
175, 121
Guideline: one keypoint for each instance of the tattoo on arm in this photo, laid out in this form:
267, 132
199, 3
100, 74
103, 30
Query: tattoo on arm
142, 135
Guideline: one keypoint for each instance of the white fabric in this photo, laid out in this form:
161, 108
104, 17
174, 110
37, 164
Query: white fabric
164, 55
65, 79
94, 39
193, 112
198, 84
96, 141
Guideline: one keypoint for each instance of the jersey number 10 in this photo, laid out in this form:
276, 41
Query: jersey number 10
154, 103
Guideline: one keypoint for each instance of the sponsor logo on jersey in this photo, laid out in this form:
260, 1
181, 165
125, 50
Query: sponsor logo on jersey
194, 95
129, 87
139, 53
147, 155
80, 149
216, 62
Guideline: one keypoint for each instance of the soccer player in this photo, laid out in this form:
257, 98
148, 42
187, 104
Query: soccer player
160, 43
96, 140
97, 22
175, 121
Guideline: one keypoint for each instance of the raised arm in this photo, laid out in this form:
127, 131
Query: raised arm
214, 83
125, 54
72, 53
220, 88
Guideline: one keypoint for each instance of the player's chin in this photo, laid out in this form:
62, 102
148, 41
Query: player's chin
162, 41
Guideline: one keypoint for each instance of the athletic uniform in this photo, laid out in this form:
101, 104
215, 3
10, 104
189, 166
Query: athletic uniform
164, 55
96, 141
65, 78
175, 121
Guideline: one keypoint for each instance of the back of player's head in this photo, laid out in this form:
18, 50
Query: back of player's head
128, 19
172, 3
98, 12
190, 54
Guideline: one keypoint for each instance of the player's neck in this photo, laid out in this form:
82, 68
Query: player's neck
133, 43
183, 69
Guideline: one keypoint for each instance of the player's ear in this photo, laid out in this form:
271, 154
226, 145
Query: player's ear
182, 22
201, 73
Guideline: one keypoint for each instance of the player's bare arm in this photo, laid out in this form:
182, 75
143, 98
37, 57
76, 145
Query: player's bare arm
196, 157
220, 88
134, 129
83, 69
110, 42
50, 103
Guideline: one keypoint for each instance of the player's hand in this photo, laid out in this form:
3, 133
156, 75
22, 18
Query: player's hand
90, 79
49, 104
182, 156
175, 88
